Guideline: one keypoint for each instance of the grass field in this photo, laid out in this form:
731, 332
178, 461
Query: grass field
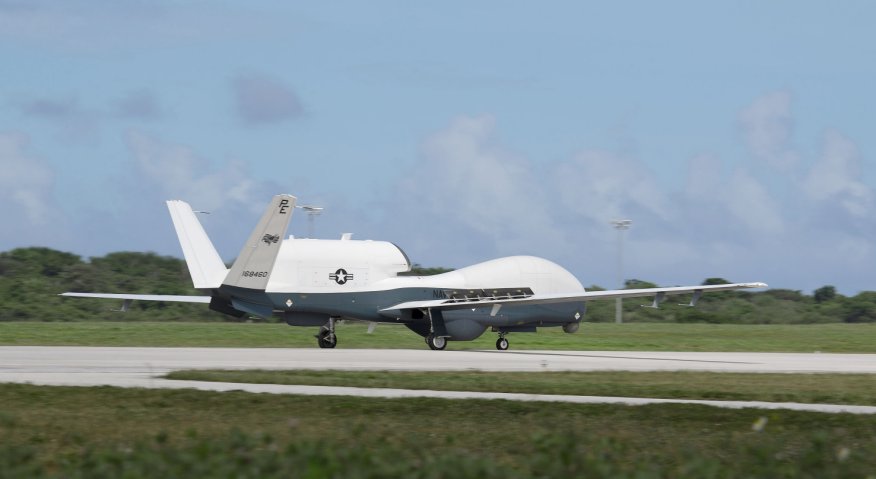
846, 338
110, 432
806, 388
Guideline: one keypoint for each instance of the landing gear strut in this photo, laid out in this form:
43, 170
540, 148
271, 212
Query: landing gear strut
436, 343
502, 343
326, 337
437, 338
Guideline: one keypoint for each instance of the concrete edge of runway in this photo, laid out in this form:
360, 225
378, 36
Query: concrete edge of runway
145, 368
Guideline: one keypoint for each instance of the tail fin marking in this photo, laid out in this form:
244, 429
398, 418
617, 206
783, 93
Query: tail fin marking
253, 266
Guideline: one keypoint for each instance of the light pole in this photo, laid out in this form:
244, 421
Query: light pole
312, 211
620, 226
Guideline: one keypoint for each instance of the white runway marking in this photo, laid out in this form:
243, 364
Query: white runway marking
141, 367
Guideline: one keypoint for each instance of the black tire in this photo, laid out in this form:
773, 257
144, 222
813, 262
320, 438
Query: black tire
436, 343
502, 344
326, 340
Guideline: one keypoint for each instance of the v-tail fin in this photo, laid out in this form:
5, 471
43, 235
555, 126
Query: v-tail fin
205, 265
253, 266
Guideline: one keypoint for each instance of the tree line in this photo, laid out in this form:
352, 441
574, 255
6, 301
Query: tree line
32, 278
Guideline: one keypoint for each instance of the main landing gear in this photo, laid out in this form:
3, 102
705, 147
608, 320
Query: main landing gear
502, 342
326, 338
436, 343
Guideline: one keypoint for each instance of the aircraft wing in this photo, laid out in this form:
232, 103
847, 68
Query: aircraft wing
658, 293
143, 297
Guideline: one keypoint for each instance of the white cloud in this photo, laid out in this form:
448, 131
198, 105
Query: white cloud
469, 197
753, 206
467, 183
704, 177
25, 181
177, 172
162, 170
730, 202
767, 125
836, 177
601, 186
468, 189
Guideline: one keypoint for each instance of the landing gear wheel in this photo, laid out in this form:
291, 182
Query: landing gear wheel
436, 343
502, 344
326, 343
326, 338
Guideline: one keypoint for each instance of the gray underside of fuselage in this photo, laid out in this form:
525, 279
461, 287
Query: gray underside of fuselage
314, 309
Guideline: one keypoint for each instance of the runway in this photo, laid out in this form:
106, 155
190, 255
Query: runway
142, 367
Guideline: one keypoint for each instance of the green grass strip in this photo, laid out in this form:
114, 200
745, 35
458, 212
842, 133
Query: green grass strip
836, 338
804, 388
113, 432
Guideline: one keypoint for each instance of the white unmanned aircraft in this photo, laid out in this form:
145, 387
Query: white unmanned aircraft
310, 282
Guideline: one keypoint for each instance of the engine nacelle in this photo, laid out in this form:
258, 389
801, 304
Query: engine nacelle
464, 329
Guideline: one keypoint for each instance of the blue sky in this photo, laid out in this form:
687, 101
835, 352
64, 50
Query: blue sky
737, 136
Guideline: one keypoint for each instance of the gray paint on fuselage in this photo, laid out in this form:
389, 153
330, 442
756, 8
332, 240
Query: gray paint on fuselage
462, 325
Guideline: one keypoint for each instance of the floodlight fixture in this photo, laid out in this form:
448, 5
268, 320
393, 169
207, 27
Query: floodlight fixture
620, 225
311, 211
